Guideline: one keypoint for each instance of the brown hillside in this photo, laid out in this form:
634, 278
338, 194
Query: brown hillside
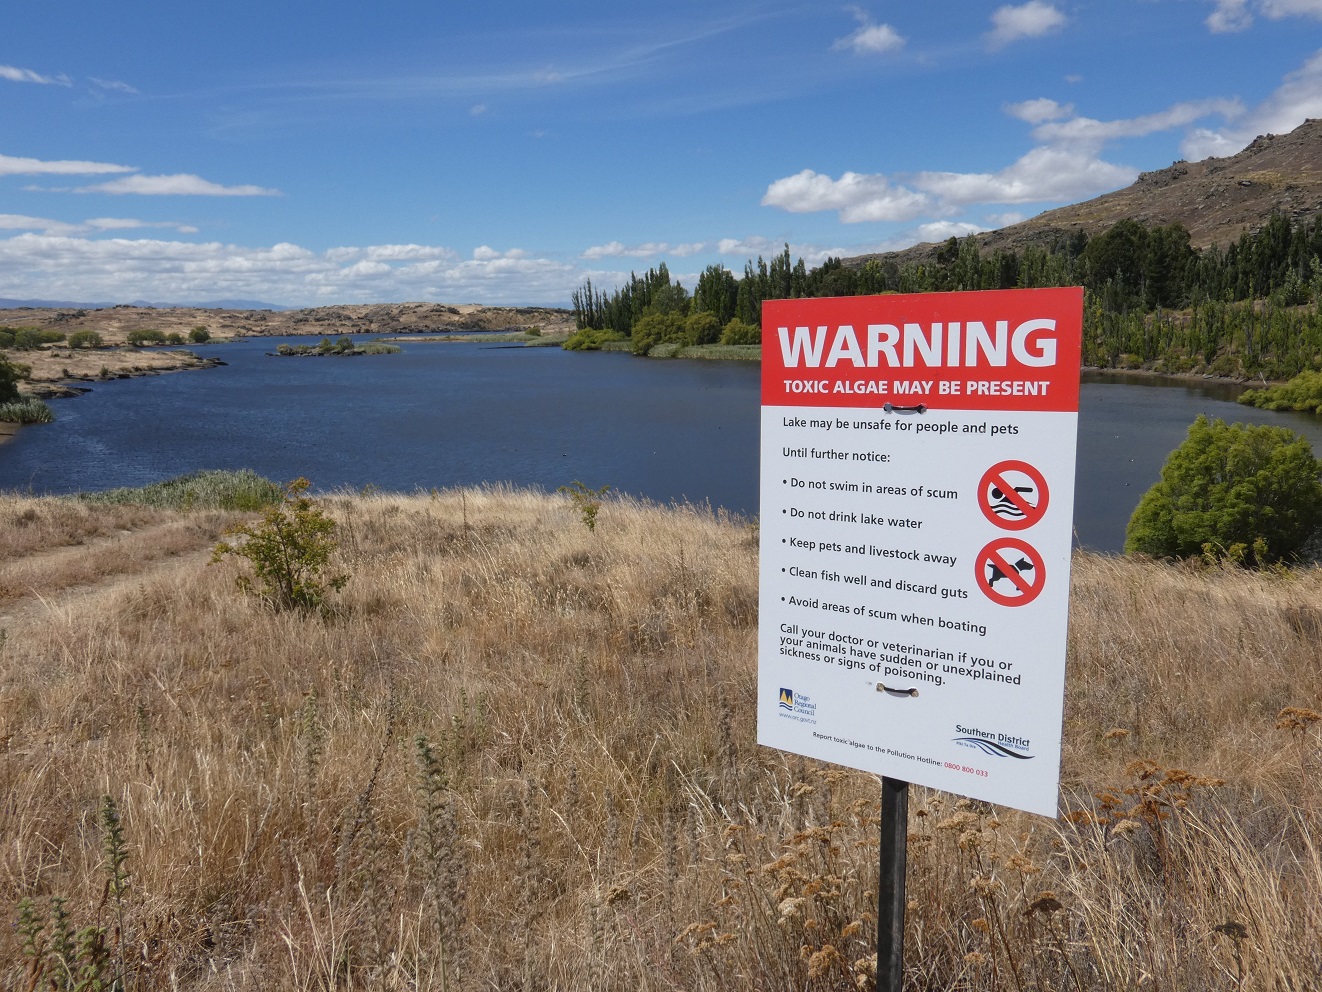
1217, 199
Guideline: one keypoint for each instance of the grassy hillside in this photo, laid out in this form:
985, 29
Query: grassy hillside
520, 755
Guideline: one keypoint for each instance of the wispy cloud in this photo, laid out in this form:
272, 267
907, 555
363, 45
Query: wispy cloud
113, 84
1297, 98
1231, 16
1030, 20
648, 249
16, 75
22, 222
12, 166
870, 38
180, 184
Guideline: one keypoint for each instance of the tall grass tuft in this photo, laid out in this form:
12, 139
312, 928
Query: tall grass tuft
28, 410
214, 489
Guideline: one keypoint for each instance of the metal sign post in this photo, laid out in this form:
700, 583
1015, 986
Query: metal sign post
890, 884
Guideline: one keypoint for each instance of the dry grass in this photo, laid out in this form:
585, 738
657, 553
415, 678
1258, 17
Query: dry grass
519, 755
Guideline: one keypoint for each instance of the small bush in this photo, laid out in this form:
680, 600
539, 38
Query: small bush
86, 339
737, 332
145, 335
289, 552
7, 335
590, 339
199, 335
378, 348
586, 501
28, 410
174, 337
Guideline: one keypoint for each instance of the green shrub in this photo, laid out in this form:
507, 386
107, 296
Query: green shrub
701, 327
1303, 393
533, 332
199, 335
86, 339
7, 335
11, 374
1244, 493
656, 327
174, 337
587, 501
737, 332
145, 335
379, 348
29, 338
289, 552
590, 339
214, 489
28, 410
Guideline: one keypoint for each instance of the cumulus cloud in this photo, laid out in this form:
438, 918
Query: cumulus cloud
1297, 98
870, 38
61, 266
1030, 20
180, 184
1039, 110
1230, 16
856, 196
1065, 166
16, 75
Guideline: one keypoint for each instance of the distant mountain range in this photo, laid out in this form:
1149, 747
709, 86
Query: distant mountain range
1217, 199
8, 304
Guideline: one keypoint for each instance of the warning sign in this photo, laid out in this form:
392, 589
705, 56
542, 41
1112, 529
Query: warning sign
1014, 564
1013, 495
917, 493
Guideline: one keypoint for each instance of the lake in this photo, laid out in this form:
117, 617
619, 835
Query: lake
442, 415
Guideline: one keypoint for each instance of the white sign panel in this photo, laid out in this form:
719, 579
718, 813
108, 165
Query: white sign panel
917, 495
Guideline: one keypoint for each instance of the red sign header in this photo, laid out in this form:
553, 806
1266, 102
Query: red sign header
1011, 349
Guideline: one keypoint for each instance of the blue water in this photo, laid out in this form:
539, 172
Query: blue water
461, 414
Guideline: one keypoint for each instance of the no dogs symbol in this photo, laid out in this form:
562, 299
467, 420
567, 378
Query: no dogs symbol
1010, 572
1013, 495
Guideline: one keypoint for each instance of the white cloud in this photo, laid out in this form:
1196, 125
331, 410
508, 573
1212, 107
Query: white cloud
1030, 20
1297, 98
943, 230
1005, 219
11, 166
1085, 132
477, 109
648, 249
180, 184
1039, 110
857, 197
55, 266
16, 75
1237, 15
485, 253
870, 38
1044, 174
21, 222
113, 84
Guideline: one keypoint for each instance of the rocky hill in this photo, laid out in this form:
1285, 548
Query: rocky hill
1217, 199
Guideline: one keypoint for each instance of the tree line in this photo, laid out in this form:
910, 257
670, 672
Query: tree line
1249, 308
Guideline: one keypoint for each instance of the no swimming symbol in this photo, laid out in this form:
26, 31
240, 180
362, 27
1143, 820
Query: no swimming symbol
1010, 572
1013, 495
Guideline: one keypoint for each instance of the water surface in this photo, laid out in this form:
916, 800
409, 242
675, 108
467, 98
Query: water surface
462, 414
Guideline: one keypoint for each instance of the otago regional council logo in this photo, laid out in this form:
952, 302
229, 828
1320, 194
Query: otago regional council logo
797, 706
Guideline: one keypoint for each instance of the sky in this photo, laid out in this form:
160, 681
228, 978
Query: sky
305, 154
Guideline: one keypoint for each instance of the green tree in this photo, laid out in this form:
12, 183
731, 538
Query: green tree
1249, 493
737, 332
85, 339
702, 327
11, 373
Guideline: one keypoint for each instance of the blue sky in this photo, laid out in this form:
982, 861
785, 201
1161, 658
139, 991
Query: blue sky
311, 153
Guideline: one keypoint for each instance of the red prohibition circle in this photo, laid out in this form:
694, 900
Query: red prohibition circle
1005, 567
995, 477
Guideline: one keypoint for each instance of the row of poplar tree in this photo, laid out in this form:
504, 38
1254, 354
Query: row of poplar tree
1251, 308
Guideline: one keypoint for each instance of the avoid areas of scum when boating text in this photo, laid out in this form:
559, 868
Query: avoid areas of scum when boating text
915, 545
